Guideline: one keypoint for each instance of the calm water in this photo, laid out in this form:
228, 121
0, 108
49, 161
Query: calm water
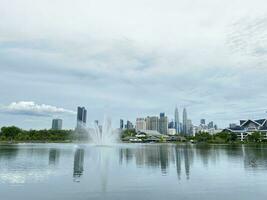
134, 171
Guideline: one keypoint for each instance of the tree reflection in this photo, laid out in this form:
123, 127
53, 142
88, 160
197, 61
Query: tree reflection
255, 157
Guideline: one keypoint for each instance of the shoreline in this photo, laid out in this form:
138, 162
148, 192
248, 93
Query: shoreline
82, 142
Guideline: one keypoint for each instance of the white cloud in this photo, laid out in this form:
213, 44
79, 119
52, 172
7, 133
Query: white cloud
31, 108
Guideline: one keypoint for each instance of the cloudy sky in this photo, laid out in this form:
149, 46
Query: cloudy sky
129, 59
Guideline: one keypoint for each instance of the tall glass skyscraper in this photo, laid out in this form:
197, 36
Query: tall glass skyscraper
163, 124
81, 119
81, 115
121, 124
176, 121
185, 128
152, 123
57, 124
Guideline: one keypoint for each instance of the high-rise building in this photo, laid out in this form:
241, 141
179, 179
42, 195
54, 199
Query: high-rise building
129, 125
57, 124
163, 124
140, 124
176, 121
148, 123
210, 125
81, 115
152, 123
189, 127
203, 121
81, 120
171, 125
185, 129
121, 124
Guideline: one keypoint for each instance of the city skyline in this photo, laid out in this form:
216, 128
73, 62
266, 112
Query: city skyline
69, 114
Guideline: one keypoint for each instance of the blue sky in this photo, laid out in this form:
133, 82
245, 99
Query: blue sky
131, 59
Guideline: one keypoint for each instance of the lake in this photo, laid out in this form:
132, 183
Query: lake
132, 171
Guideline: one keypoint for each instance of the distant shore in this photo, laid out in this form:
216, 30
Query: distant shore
15, 135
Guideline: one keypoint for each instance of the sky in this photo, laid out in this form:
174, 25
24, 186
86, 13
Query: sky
128, 59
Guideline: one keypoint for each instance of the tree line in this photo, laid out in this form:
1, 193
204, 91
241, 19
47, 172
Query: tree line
13, 133
228, 137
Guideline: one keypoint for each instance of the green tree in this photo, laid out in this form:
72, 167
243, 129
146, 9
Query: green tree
203, 137
128, 133
255, 137
10, 132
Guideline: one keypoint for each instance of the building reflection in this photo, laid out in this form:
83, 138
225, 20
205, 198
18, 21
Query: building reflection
164, 158
187, 161
78, 164
53, 157
160, 156
178, 161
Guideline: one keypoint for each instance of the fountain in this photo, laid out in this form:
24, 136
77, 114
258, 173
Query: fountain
102, 135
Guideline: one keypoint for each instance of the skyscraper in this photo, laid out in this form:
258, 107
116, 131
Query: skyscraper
185, 129
57, 124
163, 124
152, 123
81, 115
203, 121
176, 120
210, 125
140, 124
148, 123
189, 127
129, 125
81, 119
121, 124
171, 125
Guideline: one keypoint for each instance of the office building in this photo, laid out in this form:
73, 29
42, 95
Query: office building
210, 125
185, 129
56, 124
176, 120
202, 121
129, 125
189, 126
81, 115
172, 125
121, 124
140, 124
163, 124
152, 123
232, 126
81, 120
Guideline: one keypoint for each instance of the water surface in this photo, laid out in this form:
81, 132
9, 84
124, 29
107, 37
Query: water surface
132, 171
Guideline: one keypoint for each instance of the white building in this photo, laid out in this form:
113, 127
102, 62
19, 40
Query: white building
201, 129
171, 131
140, 124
